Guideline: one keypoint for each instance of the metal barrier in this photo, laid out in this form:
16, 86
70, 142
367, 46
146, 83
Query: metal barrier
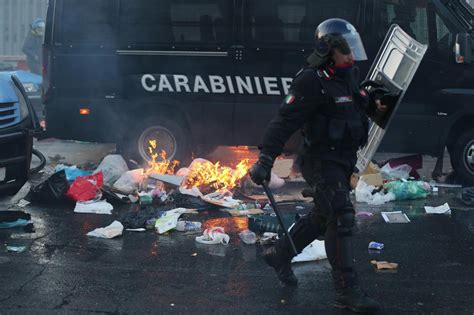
15, 19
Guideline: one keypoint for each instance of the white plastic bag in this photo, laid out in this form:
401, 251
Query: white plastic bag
112, 166
314, 251
113, 230
363, 193
130, 181
214, 235
397, 172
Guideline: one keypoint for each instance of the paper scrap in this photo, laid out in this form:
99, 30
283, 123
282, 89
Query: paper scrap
443, 209
96, 207
238, 213
23, 203
384, 265
395, 217
113, 230
314, 251
136, 230
16, 249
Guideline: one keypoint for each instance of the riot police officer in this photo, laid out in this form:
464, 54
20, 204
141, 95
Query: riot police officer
32, 46
325, 101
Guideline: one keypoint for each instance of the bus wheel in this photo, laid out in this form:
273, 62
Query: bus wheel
463, 156
169, 135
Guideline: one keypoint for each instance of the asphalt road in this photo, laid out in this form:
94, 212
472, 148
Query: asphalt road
64, 271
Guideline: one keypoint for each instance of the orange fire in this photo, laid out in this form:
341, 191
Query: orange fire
164, 166
201, 173
217, 176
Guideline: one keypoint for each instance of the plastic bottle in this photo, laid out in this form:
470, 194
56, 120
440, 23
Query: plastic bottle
187, 226
248, 237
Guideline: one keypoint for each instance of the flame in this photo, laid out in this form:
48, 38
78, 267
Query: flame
217, 176
164, 166
214, 175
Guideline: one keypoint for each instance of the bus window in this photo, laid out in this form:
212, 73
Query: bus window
79, 24
148, 23
295, 21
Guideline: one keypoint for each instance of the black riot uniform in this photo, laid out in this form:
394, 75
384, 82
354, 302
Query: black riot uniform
331, 109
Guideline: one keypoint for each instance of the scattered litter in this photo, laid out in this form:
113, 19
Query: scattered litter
407, 190
187, 226
376, 246
364, 193
222, 199
443, 209
467, 196
314, 251
248, 237
72, 172
145, 198
372, 179
169, 179
194, 191
136, 230
364, 214
11, 219
443, 185
97, 207
130, 181
113, 230
214, 235
394, 173
23, 203
282, 167
194, 254
414, 161
52, 189
169, 219
112, 166
395, 217
86, 188
239, 213
384, 265
16, 249
275, 181
268, 238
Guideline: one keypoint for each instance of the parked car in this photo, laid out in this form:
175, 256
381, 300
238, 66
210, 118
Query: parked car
18, 124
32, 83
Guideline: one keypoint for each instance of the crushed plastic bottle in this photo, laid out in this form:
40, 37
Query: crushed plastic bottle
187, 226
248, 237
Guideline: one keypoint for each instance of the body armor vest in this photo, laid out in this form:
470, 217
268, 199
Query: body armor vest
340, 121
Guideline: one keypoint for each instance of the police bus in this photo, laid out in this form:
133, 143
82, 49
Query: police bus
194, 74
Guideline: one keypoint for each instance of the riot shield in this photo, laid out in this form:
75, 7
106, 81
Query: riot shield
393, 69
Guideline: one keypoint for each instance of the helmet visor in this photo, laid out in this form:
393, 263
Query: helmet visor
355, 44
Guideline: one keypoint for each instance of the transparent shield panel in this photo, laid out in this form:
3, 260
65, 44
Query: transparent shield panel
470, 3
394, 68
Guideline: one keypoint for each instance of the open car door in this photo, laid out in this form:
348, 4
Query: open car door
394, 67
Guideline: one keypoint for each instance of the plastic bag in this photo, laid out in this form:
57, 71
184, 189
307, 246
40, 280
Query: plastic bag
51, 190
130, 181
363, 193
72, 172
86, 188
405, 190
112, 166
248, 237
215, 235
397, 172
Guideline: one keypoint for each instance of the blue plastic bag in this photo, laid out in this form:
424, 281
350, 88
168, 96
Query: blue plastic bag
406, 190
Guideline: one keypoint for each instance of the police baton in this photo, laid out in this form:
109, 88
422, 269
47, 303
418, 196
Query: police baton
279, 216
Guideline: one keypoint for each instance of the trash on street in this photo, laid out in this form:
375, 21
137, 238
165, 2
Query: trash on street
312, 252
96, 207
113, 230
443, 209
376, 245
248, 237
395, 217
16, 249
384, 265
214, 235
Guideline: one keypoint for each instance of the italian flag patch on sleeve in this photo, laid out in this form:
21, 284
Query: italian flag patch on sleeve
290, 99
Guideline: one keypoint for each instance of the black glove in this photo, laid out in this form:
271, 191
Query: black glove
261, 170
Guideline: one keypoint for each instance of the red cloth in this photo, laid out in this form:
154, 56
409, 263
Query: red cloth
86, 188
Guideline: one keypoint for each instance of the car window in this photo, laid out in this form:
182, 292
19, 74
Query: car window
86, 22
293, 21
148, 23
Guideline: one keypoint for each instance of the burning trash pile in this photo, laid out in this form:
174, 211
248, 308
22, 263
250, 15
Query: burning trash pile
162, 192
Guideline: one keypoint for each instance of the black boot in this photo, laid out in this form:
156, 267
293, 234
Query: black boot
350, 296
281, 262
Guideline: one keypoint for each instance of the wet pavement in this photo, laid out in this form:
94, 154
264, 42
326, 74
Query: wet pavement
63, 270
